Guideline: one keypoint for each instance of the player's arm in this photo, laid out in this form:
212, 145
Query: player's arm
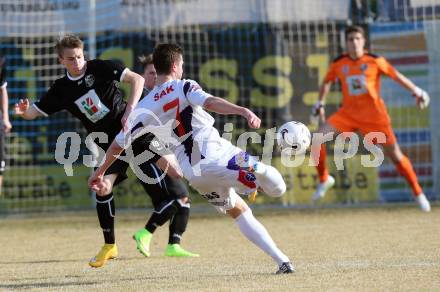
324, 90
168, 164
224, 107
112, 153
318, 108
136, 82
404, 81
25, 110
422, 97
4, 108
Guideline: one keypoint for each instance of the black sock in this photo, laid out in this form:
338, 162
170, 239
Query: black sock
161, 214
151, 224
105, 206
178, 224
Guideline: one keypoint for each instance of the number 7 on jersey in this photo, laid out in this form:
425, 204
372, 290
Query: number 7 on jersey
175, 104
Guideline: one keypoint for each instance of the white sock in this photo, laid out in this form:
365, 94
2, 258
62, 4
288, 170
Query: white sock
270, 180
255, 232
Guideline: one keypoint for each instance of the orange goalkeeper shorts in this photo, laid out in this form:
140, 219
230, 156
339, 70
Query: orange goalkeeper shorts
344, 123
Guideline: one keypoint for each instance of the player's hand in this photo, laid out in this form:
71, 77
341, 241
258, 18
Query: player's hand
96, 181
318, 110
21, 107
318, 114
422, 98
7, 126
254, 122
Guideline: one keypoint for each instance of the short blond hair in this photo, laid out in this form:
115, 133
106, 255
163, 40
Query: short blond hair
68, 41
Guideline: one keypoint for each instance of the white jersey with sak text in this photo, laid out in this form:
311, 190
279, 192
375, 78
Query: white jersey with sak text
173, 112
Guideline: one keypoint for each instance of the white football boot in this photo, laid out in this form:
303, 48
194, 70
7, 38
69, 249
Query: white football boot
322, 188
423, 202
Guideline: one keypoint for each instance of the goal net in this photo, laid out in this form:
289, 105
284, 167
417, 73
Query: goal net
269, 56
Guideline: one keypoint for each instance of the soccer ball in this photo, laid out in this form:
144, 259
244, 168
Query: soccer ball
294, 136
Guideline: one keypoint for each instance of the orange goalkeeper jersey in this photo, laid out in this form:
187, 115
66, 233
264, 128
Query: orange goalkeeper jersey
360, 83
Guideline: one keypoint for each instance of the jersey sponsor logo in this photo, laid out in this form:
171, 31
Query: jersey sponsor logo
90, 80
91, 106
164, 92
156, 145
357, 85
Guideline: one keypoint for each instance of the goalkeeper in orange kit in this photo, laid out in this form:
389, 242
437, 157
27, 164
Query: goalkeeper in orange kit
363, 110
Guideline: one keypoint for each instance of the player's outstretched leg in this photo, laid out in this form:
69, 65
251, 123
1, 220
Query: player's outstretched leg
269, 179
405, 169
253, 230
177, 227
106, 210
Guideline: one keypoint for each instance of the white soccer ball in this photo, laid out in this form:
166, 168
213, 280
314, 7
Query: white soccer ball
294, 136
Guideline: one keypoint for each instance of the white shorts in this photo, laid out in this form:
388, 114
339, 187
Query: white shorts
220, 180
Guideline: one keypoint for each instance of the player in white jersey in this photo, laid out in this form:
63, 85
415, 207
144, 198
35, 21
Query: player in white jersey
211, 164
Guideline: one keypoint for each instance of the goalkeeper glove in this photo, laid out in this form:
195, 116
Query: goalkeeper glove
315, 117
422, 97
317, 108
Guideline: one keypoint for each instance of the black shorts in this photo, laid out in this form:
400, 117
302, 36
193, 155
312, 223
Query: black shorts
118, 167
165, 189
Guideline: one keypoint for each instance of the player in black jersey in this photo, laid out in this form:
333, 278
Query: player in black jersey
5, 124
90, 92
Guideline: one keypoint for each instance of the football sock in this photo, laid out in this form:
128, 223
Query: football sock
178, 224
162, 213
405, 169
321, 165
270, 180
256, 233
105, 207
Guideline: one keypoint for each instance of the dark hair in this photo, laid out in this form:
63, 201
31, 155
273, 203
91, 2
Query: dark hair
69, 41
146, 59
164, 56
354, 28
